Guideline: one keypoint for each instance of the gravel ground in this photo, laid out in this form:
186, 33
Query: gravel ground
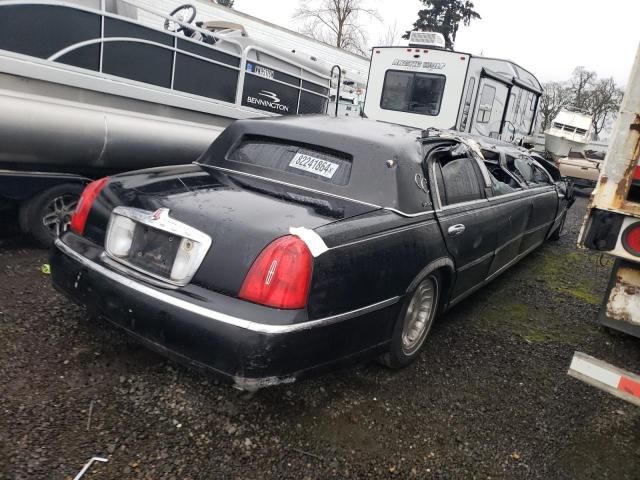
488, 398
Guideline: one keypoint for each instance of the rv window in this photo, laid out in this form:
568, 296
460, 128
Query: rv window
412, 92
305, 160
486, 103
516, 106
525, 97
467, 103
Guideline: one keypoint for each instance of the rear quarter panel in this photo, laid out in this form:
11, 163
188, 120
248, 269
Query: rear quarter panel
371, 258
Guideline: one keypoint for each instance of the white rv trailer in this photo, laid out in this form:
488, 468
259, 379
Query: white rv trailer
423, 85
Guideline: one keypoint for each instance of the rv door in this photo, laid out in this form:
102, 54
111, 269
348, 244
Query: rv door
489, 108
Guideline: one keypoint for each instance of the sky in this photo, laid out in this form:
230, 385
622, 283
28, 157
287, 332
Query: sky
548, 37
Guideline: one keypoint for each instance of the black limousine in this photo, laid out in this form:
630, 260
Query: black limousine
296, 244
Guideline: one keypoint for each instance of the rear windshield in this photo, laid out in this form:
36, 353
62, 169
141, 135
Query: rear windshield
307, 161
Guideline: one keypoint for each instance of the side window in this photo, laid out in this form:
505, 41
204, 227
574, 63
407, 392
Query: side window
540, 176
501, 182
511, 166
532, 174
501, 187
524, 168
467, 104
458, 181
486, 103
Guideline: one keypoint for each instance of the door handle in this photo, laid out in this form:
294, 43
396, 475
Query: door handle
458, 229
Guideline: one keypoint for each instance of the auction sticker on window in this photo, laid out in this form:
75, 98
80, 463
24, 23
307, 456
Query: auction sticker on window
315, 165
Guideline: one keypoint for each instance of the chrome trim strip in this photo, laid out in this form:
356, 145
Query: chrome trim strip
307, 189
512, 262
386, 234
174, 56
408, 215
520, 191
174, 49
504, 245
523, 234
464, 204
476, 287
103, 8
477, 261
212, 314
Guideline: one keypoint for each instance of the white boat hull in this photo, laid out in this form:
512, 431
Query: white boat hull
560, 147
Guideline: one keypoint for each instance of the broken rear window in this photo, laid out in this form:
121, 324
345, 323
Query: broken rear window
305, 160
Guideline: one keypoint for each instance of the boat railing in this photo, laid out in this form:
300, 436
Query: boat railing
127, 44
208, 33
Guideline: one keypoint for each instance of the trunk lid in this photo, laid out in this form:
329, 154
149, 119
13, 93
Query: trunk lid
242, 214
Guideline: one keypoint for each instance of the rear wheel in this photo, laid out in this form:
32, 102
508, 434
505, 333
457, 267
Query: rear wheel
48, 215
414, 323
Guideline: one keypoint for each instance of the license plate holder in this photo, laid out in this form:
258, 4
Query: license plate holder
153, 250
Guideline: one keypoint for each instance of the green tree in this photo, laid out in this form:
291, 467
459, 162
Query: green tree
444, 16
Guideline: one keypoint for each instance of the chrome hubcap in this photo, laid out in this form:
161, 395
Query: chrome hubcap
58, 213
419, 317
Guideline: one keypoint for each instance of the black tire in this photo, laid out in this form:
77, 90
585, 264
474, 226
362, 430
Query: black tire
53, 206
555, 235
401, 353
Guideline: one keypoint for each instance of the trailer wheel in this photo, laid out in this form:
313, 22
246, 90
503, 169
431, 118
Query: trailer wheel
48, 214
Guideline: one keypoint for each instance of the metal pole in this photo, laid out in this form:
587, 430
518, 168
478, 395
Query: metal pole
339, 85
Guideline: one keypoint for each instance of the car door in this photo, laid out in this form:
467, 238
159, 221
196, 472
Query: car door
511, 199
544, 202
468, 222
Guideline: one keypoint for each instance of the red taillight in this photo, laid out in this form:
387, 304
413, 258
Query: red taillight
281, 275
631, 239
91, 191
636, 173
